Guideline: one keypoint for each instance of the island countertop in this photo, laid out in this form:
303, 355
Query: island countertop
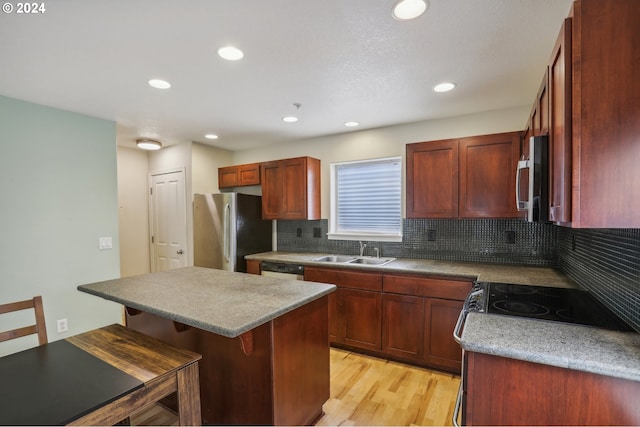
222, 302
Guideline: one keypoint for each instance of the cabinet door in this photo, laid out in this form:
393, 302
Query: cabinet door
440, 349
487, 175
339, 310
362, 316
432, 179
249, 174
294, 189
227, 177
403, 325
560, 132
272, 187
334, 316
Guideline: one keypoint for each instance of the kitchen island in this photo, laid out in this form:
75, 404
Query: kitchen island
264, 341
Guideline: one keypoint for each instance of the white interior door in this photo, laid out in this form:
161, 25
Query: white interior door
168, 212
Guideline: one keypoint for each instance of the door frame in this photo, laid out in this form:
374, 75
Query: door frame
187, 247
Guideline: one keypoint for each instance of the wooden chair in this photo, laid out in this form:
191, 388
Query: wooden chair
39, 328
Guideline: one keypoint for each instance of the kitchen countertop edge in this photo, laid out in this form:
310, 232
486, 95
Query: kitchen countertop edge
109, 291
565, 345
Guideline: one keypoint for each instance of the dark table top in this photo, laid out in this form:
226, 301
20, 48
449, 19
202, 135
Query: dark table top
57, 383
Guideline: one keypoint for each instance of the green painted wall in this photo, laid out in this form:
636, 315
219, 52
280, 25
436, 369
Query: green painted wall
58, 195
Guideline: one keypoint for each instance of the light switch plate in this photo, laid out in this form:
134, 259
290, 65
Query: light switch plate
105, 243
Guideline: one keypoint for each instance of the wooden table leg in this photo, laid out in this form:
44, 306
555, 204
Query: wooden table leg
189, 396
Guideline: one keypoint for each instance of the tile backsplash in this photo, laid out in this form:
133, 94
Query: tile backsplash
605, 262
472, 240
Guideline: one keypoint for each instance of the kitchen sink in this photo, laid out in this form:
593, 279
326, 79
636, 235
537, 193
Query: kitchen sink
335, 258
371, 261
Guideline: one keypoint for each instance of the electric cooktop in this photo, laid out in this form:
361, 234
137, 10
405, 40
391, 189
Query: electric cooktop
546, 303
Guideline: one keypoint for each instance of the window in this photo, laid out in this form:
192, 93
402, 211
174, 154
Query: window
366, 200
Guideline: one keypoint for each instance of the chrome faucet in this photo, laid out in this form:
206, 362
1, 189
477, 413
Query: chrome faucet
377, 252
362, 246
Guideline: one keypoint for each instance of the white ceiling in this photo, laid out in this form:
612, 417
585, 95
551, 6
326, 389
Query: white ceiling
340, 59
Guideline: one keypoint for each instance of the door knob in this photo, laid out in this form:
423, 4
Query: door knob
180, 251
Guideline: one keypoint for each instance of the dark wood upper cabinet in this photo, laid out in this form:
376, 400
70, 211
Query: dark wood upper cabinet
238, 176
432, 179
605, 103
487, 175
560, 127
291, 188
467, 177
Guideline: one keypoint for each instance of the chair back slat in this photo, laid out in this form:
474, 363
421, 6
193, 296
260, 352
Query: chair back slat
39, 328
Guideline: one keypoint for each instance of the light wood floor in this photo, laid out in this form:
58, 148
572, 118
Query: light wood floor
370, 391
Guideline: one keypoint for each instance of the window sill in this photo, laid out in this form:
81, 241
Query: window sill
373, 237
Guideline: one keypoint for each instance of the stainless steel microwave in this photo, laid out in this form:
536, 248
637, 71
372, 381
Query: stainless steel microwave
532, 180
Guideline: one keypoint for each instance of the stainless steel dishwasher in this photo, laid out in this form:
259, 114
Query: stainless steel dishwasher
282, 270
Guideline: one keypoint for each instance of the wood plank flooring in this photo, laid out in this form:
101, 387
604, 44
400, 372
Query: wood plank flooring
369, 391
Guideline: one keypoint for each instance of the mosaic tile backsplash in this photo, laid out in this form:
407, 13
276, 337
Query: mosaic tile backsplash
483, 240
604, 262
607, 263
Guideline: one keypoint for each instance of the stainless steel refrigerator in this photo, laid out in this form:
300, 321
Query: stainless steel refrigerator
226, 227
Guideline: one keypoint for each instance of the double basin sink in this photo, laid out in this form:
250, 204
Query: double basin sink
348, 259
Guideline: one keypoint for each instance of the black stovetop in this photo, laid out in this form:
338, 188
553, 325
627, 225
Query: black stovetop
548, 303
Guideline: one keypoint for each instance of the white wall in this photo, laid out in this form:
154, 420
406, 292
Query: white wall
133, 202
59, 195
386, 142
205, 161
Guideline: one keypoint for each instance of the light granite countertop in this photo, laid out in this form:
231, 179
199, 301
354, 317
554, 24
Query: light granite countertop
543, 276
222, 302
565, 345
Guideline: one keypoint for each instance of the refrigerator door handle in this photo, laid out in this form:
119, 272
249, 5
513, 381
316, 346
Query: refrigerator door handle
227, 232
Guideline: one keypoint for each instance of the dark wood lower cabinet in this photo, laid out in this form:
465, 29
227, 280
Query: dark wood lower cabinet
502, 391
361, 318
405, 317
275, 374
440, 349
403, 327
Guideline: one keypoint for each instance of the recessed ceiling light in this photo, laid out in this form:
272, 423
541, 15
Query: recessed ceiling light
211, 136
351, 124
290, 119
148, 144
159, 84
444, 87
230, 53
404, 10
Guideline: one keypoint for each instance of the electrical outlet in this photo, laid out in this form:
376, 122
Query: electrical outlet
317, 232
431, 235
298, 232
63, 326
510, 236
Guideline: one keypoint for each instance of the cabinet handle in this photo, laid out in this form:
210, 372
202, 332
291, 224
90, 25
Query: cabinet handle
522, 205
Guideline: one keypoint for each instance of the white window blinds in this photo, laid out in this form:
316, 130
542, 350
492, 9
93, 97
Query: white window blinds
366, 199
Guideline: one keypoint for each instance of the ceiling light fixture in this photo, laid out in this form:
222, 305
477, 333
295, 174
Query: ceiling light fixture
444, 87
403, 10
351, 124
148, 144
230, 53
292, 119
211, 136
159, 84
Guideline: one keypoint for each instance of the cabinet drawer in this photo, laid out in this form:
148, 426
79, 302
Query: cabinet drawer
427, 287
345, 279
